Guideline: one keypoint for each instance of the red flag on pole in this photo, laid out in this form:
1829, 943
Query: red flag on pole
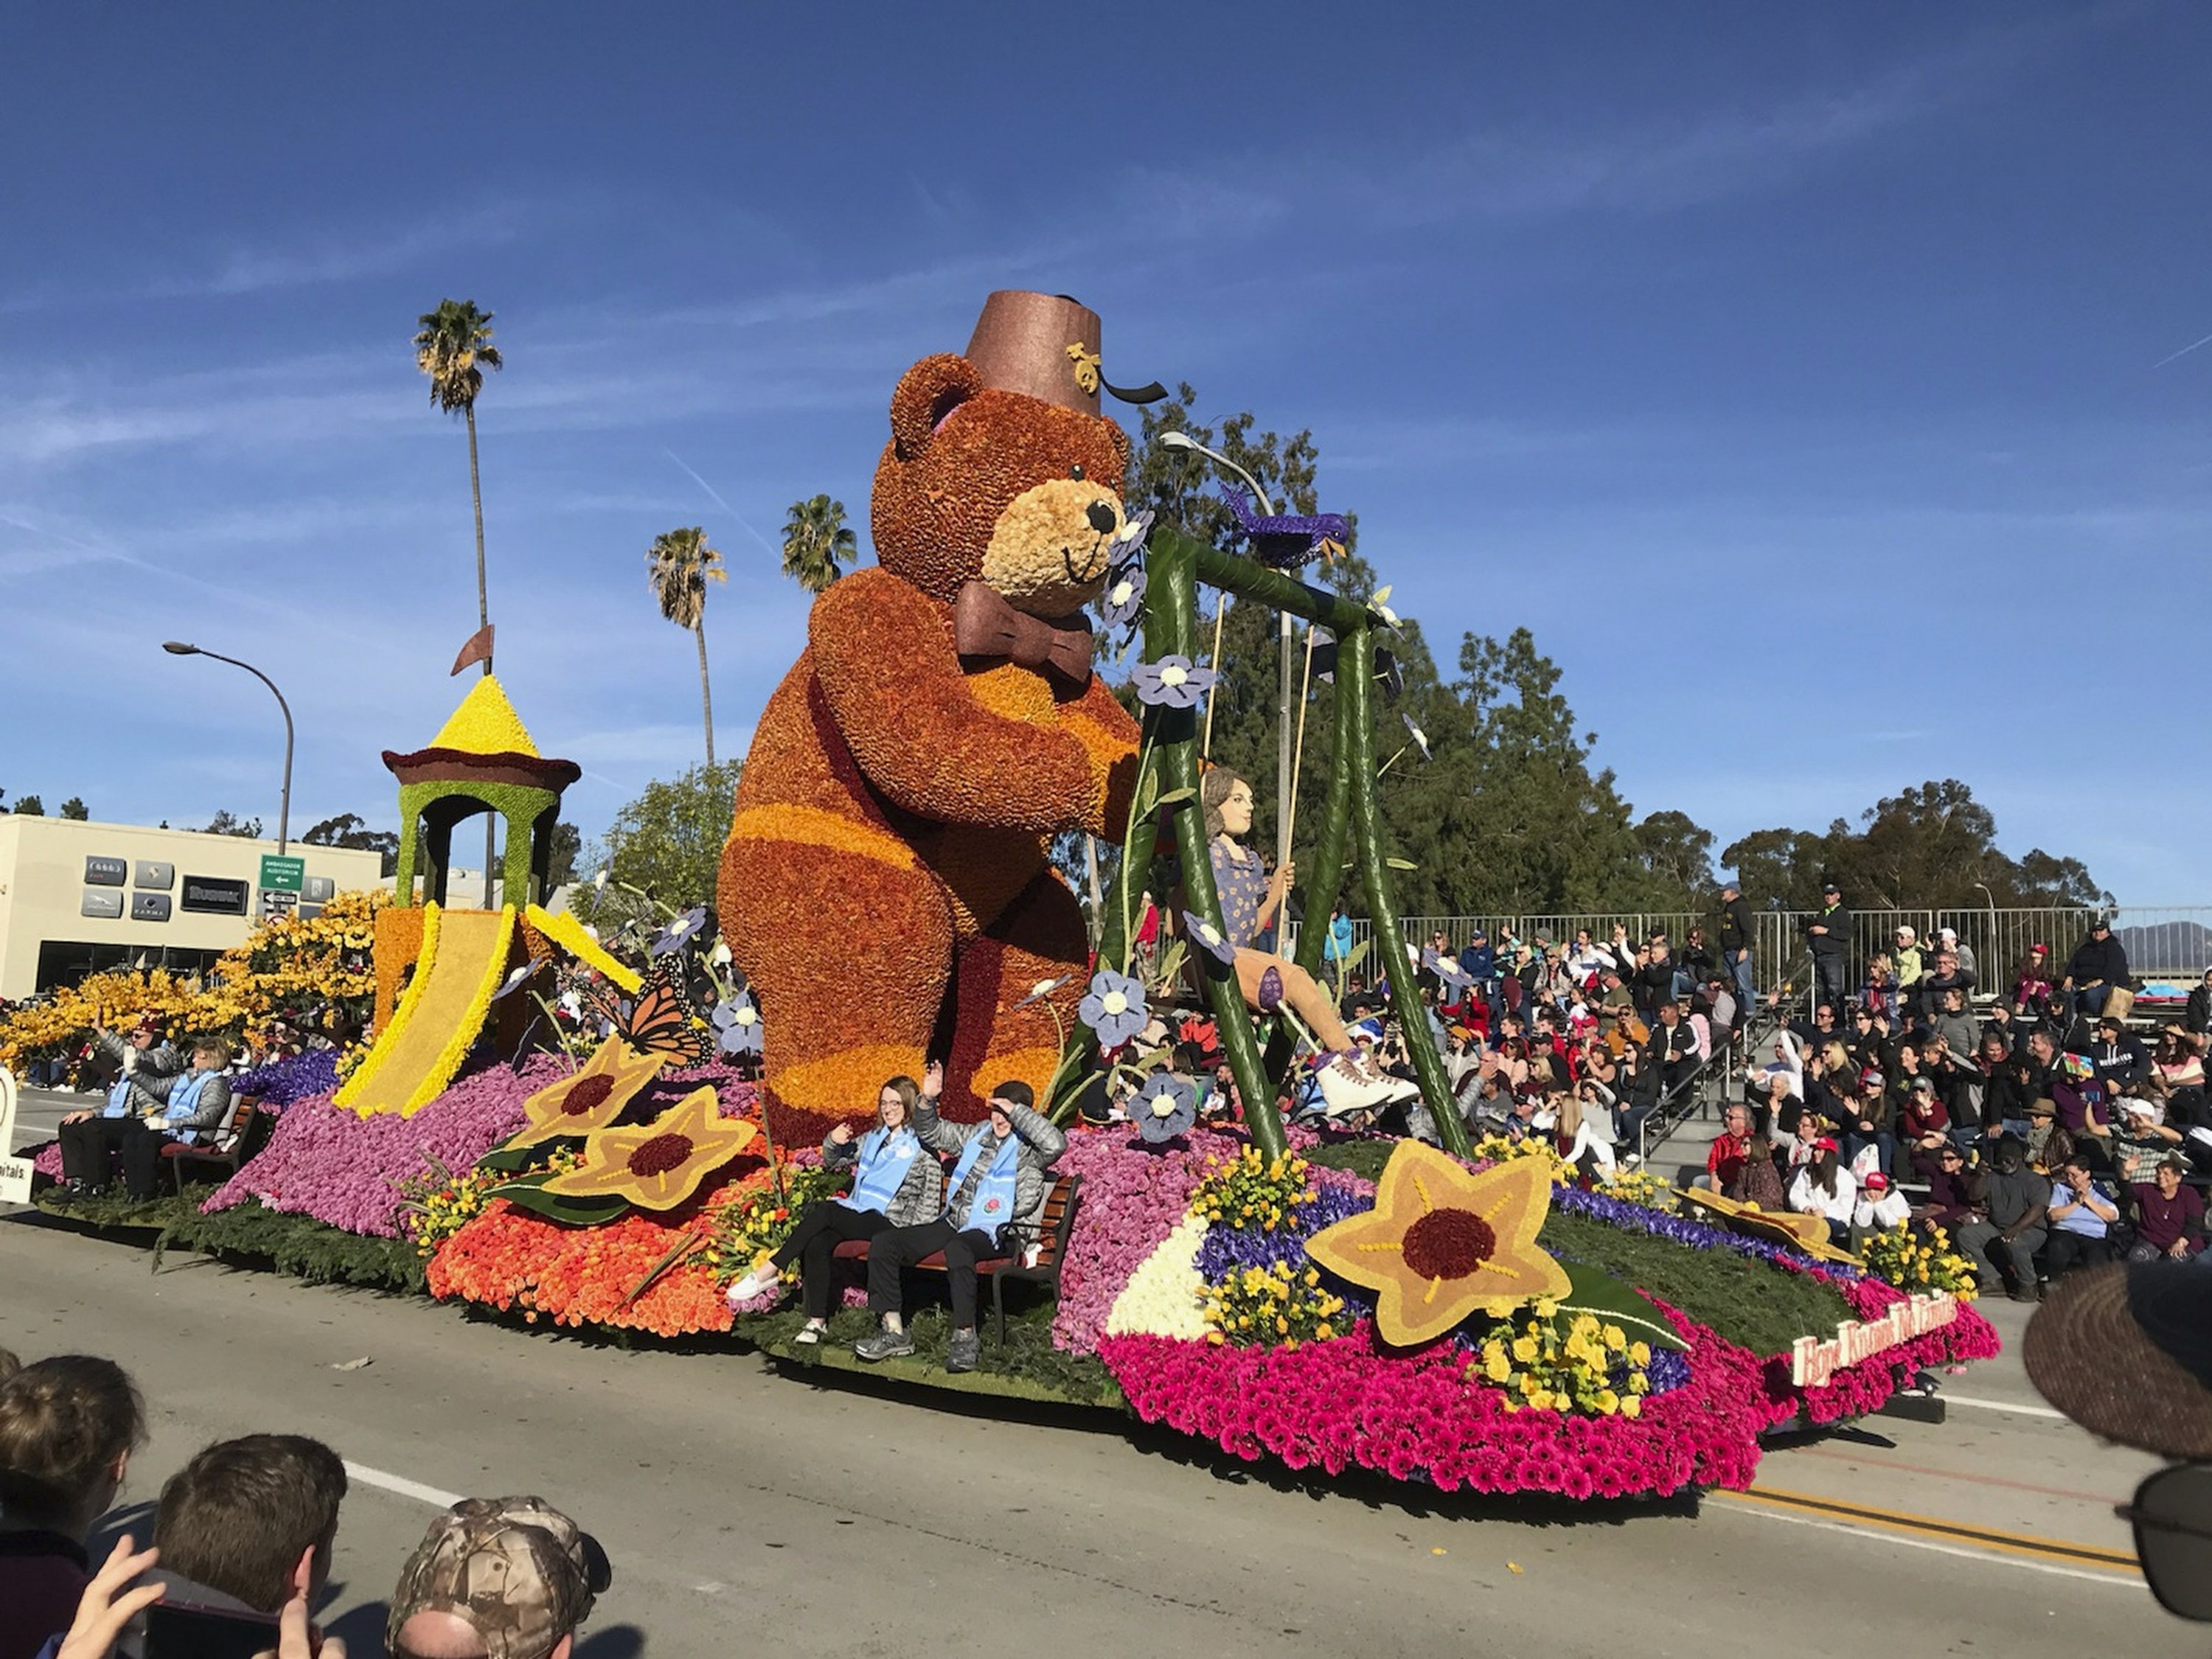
478, 649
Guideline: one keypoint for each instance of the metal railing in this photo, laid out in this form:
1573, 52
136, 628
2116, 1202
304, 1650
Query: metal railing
2162, 942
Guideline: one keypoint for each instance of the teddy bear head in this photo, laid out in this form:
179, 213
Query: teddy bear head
983, 481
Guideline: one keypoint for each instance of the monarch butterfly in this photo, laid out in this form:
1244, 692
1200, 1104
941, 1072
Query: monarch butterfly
660, 1020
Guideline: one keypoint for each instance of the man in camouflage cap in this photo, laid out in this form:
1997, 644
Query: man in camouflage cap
496, 1578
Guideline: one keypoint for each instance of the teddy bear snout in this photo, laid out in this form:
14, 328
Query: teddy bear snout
1104, 518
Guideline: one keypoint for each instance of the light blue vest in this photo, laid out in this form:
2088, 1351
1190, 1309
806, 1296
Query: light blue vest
886, 1155
185, 1100
993, 1206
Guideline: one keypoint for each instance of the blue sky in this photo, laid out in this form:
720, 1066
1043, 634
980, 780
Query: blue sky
1804, 378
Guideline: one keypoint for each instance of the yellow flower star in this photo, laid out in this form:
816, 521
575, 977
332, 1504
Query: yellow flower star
1441, 1244
656, 1166
592, 1099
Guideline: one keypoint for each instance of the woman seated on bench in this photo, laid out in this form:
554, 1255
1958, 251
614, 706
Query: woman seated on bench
1000, 1183
197, 1105
895, 1184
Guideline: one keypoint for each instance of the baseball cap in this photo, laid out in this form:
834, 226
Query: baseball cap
515, 1570
1829, 886
1876, 1182
2126, 1352
1926, 1084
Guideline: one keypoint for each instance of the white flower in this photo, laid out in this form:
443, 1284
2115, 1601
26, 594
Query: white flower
1164, 1296
1379, 606
1173, 674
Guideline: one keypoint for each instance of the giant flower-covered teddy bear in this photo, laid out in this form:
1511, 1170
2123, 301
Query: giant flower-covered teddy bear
887, 870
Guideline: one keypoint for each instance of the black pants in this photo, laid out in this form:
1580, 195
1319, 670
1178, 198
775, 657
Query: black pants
1828, 981
891, 1249
86, 1146
141, 1159
2062, 1250
819, 1232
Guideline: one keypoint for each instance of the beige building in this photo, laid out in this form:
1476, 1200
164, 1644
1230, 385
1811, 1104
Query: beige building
78, 898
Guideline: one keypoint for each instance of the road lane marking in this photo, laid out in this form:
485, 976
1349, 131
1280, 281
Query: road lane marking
2050, 1552
401, 1485
1929, 1544
2001, 1405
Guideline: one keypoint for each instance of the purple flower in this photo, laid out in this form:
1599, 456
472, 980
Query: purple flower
1166, 1106
739, 1024
1172, 682
1115, 1008
1208, 938
1124, 596
680, 933
280, 1082
1287, 540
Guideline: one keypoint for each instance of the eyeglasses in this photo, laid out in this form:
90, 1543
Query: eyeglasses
2171, 1515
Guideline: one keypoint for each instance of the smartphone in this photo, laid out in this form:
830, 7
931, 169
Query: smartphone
187, 1633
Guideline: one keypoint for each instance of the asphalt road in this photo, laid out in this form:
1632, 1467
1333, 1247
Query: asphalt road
744, 1509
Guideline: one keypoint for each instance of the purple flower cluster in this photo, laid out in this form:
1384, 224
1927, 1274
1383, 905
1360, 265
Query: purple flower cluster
326, 1161
1229, 1250
281, 1082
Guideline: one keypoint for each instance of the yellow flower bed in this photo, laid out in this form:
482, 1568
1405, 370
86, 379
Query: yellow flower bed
1912, 1263
1590, 1367
1274, 1307
1252, 1192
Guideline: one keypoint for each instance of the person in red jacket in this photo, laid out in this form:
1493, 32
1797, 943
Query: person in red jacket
1724, 1159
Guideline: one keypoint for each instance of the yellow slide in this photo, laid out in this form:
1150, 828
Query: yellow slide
464, 959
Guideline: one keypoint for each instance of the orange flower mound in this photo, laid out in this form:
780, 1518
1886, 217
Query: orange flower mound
1441, 1244
507, 1258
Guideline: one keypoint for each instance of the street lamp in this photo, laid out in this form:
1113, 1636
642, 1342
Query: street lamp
179, 648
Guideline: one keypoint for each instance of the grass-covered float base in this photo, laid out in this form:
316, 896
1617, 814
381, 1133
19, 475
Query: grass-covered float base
1578, 1341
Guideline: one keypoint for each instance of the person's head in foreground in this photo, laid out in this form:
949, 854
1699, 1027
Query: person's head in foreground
1013, 1092
496, 1578
2125, 1351
68, 1426
253, 1519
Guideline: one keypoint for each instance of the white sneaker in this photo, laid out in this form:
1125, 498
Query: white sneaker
753, 1284
811, 1333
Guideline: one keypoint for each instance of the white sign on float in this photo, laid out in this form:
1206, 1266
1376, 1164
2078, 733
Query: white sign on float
1812, 1362
15, 1172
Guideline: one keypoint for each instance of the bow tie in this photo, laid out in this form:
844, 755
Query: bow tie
984, 625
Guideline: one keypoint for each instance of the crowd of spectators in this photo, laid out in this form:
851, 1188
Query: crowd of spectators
243, 1542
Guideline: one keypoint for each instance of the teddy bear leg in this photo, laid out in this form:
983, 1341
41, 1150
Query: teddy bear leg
849, 956
1039, 936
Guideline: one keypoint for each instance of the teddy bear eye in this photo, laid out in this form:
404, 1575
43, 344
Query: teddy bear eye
1076, 472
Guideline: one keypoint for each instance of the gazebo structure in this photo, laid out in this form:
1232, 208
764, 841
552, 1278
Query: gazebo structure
482, 761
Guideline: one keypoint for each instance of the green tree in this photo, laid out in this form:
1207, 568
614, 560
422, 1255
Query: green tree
562, 858
227, 823
816, 543
679, 564
667, 844
349, 830
74, 807
30, 806
454, 347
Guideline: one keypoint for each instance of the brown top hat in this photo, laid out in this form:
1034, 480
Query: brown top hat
1045, 346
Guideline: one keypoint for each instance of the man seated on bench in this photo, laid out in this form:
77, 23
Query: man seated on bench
998, 1182
198, 1104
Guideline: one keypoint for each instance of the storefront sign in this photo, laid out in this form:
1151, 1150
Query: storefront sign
106, 873
154, 875
216, 896
149, 907
1812, 1362
108, 906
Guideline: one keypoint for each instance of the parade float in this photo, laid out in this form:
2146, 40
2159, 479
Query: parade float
1478, 1317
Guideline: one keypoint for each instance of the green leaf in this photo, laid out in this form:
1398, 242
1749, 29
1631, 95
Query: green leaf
1401, 864
1616, 1304
527, 1194
1175, 797
511, 1160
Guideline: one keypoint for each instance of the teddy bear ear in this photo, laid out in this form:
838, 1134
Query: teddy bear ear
927, 393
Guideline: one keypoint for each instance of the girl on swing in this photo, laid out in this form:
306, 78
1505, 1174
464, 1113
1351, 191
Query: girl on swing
1251, 906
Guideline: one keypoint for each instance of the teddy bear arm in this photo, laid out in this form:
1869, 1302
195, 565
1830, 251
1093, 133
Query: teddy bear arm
905, 709
1109, 739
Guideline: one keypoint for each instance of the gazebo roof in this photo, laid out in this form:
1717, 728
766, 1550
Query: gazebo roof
483, 741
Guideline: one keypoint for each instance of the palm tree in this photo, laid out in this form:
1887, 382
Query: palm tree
815, 541
454, 348
679, 564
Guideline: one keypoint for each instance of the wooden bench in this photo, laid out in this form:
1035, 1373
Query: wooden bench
243, 1133
1055, 1222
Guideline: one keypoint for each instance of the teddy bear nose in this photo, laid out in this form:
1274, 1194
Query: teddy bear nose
1104, 518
